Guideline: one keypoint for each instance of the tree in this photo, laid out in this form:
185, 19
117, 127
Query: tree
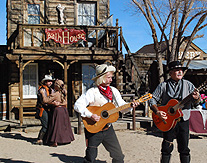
173, 22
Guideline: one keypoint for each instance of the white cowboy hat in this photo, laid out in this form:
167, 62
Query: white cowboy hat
103, 69
48, 77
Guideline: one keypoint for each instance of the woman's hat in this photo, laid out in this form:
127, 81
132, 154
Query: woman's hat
48, 78
103, 69
59, 83
174, 65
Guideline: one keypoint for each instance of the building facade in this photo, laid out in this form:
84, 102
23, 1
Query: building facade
146, 61
64, 38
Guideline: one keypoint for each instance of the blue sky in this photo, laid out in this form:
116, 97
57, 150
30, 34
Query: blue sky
135, 29
3, 23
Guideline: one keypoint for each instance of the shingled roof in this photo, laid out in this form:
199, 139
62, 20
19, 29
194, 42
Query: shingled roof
150, 48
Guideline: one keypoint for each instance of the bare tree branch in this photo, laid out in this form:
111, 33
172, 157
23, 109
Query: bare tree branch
186, 11
169, 20
162, 28
175, 36
194, 17
198, 36
203, 26
201, 20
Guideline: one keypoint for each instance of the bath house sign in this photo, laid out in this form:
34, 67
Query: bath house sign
65, 36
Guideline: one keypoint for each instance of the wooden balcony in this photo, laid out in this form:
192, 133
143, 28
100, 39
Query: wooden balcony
31, 40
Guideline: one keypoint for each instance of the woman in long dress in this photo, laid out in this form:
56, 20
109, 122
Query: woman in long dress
59, 129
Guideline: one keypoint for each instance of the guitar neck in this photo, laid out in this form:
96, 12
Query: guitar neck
120, 108
185, 100
181, 104
189, 97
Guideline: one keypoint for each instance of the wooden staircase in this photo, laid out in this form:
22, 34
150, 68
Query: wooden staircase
29, 109
129, 88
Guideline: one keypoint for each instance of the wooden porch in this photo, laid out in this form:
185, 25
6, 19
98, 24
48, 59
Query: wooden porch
28, 44
33, 37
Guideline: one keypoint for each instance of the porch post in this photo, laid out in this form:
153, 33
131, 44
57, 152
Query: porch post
108, 8
66, 73
21, 89
121, 41
117, 33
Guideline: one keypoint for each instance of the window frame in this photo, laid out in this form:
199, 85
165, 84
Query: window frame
35, 95
95, 14
39, 15
89, 79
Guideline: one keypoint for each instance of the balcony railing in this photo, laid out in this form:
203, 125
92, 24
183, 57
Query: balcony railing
27, 35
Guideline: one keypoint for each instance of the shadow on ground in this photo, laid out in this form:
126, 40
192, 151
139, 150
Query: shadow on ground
17, 136
12, 161
72, 159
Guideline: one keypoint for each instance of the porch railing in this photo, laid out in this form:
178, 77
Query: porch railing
27, 35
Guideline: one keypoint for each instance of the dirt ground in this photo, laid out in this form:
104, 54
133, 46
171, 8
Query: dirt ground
139, 146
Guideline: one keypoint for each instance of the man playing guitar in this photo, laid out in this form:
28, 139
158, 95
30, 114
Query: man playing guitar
99, 95
175, 88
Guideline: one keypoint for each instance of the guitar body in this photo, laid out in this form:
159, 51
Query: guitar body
108, 114
94, 127
172, 118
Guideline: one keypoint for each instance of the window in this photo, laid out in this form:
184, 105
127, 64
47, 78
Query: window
30, 81
86, 14
33, 14
88, 72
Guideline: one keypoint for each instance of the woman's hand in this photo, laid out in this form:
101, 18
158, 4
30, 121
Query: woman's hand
56, 103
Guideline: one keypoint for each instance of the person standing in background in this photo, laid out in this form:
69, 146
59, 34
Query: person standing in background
59, 127
42, 108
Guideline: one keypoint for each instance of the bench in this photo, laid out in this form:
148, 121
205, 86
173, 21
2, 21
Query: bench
29, 107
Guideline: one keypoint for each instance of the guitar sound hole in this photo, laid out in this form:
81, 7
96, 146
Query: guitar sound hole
172, 110
105, 114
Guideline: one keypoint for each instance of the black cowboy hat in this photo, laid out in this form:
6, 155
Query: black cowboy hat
174, 65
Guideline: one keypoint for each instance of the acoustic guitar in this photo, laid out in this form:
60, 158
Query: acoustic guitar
173, 110
108, 114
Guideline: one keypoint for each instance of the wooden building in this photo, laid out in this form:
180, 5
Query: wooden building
64, 38
146, 61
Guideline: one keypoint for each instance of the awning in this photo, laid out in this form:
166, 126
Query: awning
194, 64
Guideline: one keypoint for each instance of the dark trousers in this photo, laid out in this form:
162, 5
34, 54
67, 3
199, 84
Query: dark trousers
44, 121
109, 140
181, 134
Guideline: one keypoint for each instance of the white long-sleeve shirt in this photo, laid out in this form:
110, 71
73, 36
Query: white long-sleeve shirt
93, 97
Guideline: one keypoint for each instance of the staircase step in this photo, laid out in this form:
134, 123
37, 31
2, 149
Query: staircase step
139, 111
128, 83
121, 84
29, 117
30, 113
128, 95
